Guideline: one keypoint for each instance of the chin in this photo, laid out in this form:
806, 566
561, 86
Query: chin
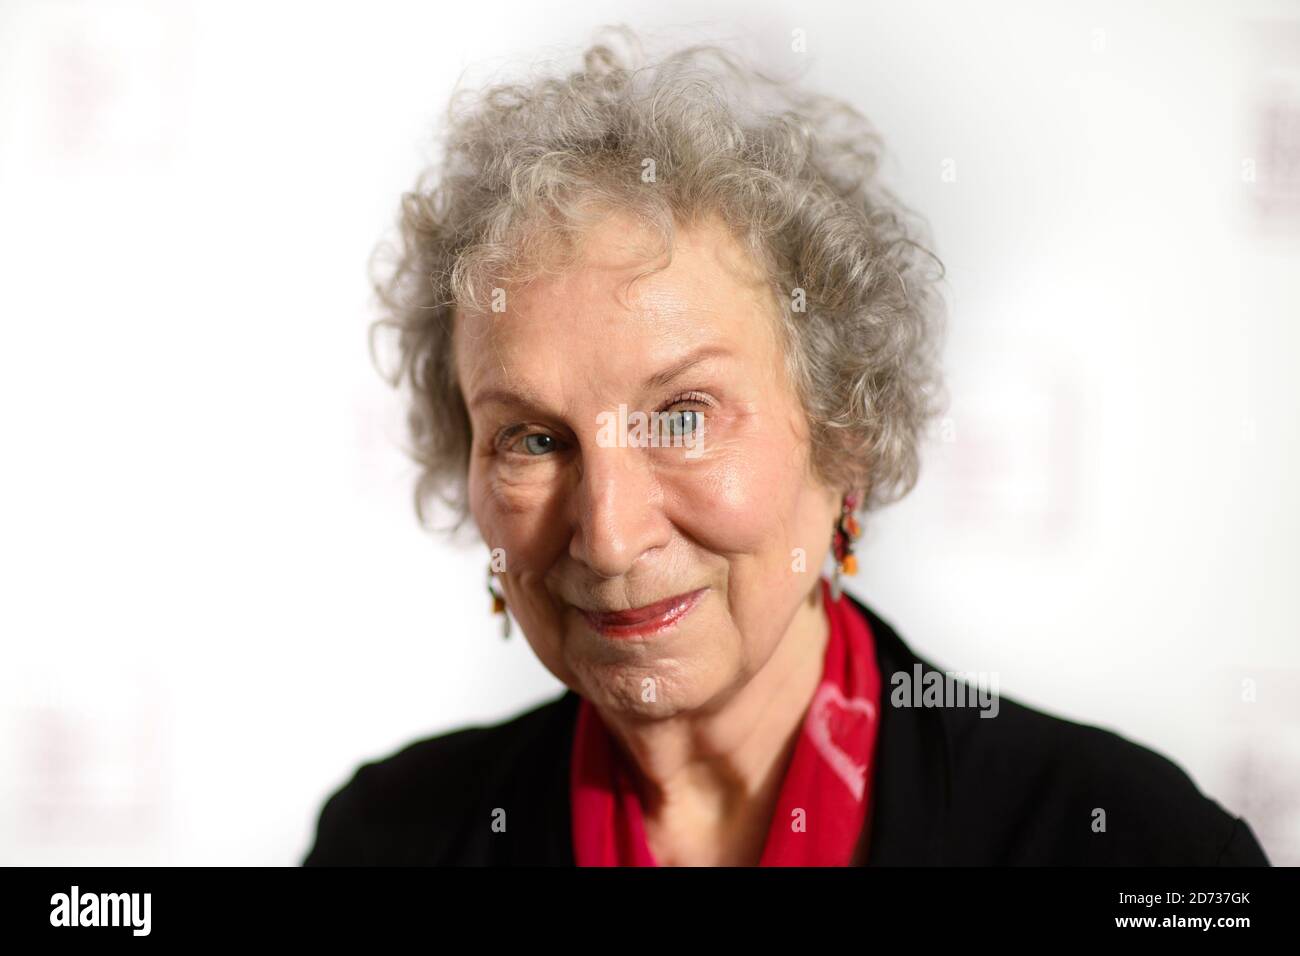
654, 690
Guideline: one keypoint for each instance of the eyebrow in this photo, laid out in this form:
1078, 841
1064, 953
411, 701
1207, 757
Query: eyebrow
673, 372
528, 399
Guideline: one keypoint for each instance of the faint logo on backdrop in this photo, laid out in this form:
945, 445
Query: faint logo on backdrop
1011, 459
114, 82
1271, 172
1257, 713
89, 775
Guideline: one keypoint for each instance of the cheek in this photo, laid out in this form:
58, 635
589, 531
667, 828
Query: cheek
750, 497
513, 521
519, 527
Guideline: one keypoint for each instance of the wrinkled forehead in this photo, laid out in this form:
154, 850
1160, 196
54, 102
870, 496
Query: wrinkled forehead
617, 310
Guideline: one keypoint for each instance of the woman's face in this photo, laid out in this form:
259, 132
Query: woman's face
595, 516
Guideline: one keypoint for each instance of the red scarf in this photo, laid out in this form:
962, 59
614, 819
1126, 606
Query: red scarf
829, 776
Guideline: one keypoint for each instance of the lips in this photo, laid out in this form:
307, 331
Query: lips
643, 620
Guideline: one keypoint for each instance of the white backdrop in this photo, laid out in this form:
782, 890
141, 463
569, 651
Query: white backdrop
215, 597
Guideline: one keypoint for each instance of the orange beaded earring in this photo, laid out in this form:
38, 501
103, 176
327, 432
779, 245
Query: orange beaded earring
498, 603
847, 530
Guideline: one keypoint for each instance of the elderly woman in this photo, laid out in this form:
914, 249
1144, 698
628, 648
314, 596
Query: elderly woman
667, 341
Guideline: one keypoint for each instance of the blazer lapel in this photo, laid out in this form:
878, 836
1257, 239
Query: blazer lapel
911, 780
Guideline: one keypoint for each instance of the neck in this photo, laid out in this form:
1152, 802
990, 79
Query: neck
709, 782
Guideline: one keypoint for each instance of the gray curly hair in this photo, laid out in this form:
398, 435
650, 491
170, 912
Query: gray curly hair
527, 166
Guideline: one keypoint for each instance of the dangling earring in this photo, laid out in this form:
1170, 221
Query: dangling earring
847, 531
498, 603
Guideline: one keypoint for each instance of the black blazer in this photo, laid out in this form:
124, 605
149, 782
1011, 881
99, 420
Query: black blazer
950, 788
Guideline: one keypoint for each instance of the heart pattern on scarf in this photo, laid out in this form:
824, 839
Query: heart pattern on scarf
832, 718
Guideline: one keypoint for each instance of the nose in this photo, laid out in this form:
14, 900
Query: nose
617, 510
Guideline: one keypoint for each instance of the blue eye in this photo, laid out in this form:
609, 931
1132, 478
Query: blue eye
683, 422
537, 444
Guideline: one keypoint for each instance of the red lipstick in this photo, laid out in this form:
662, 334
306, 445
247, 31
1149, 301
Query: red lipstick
640, 621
